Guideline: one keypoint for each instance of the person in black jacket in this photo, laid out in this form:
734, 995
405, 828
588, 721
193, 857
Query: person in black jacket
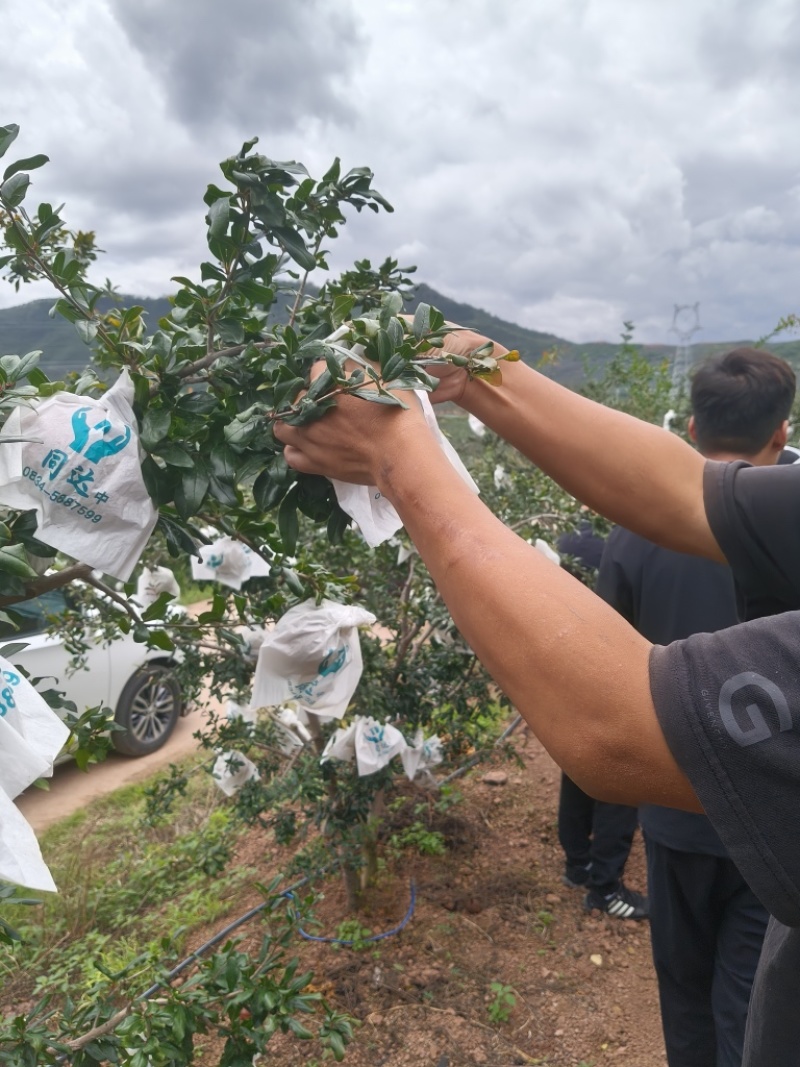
706, 924
596, 837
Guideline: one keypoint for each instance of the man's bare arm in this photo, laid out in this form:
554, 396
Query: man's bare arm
574, 668
635, 474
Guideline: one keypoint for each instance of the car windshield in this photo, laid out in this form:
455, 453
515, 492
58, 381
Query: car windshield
33, 616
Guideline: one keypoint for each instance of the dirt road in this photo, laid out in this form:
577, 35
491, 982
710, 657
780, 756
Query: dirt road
71, 789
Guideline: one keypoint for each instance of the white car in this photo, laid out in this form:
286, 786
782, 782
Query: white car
136, 682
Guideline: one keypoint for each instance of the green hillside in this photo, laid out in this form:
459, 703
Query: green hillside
30, 326
563, 360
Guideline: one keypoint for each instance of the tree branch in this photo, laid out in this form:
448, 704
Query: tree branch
210, 358
302, 288
100, 1031
77, 572
112, 594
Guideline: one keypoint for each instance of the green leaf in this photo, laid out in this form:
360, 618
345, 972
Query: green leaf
14, 561
160, 483
239, 431
288, 523
87, 330
375, 397
177, 538
218, 215
292, 579
31, 163
174, 455
394, 367
191, 490
299, 1030
37, 377
223, 462
422, 321
343, 304
12, 192
314, 494
158, 607
333, 172
223, 490
197, 403
27, 366
321, 384
293, 244
160, 638
222, 483
8, 134
380, 348
336, 1044
155, 426
271, 484
11, 650
338, 521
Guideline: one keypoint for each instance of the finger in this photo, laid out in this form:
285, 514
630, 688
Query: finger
298, 460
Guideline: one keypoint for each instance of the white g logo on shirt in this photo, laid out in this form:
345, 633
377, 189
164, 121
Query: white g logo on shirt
759, 729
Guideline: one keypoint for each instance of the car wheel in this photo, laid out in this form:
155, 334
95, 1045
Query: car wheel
148, 708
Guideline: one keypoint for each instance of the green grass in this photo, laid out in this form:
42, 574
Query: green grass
130, 894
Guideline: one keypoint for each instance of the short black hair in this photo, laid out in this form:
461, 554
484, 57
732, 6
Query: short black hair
740, 399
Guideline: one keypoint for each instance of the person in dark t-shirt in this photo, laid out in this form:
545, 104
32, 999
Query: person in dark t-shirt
711, 722
706, 924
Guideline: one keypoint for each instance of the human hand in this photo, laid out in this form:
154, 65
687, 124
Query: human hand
453, 380
354, 440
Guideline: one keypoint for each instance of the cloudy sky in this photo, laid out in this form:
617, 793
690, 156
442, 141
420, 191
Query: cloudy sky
566, 164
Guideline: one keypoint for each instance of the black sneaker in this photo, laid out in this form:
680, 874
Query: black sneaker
623, 903
576, 877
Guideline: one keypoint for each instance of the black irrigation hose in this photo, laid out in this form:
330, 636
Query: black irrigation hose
289, 894
220, 936
362, 940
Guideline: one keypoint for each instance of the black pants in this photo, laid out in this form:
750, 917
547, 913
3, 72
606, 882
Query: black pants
706, 927
591, 831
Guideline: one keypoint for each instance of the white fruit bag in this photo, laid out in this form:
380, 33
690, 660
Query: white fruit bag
231, 770
152, 583
288, 719
240, 711
312, 658
376, 744
80, 470
31, 736
228, 562
546, 550
341, 744
21, 860
377, 519
422, 755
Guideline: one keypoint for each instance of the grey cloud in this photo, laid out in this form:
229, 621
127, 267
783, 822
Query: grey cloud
744, 43
266, 64
720, 181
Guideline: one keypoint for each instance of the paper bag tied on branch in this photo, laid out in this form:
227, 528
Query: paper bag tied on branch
365, 504
80, 470
229, 562
31, 736
312, 658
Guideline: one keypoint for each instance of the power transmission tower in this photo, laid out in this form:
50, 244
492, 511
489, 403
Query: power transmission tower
685, 323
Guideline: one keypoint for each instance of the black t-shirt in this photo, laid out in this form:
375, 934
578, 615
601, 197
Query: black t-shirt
729, 706
667, 596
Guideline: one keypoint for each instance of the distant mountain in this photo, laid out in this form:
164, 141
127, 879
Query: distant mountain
563, 360
28, 327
